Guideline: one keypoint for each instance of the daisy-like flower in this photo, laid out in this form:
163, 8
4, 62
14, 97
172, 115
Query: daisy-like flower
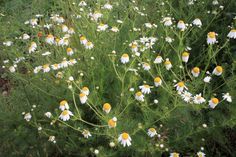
27, 117
134, 47
185, 57
65, 115
158, 60
102, 27
186, 96
198, 99
211, 38
180, 86
64, 105
96, 15
146, 66
145, 89
25, 36
124, 58
55, 66
174, 154
197, 22
33, 47
195, 71
112, 122
167, 21
106, 107
59, 75
83, 40
201, 154
33, 22
107, 6
7, 43
72, 61
69, 51
82, 4
125, 139
232, 34
85, 90
86, 133
89, 45
169, 39
213, 102
12, 69
227, 97
157, 81
83, 98
37, 69
46, 68
181, 25
139, 96
152, 132
207, 79
64, 63
168, 64
114, 29
64, 28
50, 39
71, 31
218, 70
48, 114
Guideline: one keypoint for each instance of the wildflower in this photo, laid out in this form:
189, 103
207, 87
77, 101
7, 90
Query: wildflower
211, 38
174, 154
27, 117
55, 66
83, 40
25, 36
213, 102
71, 31
82, 4
89, 45
145, 89
112, 122
86, 133
218, 70
181, 25
207, 79
139, 96
65, 115
227, 97
96, 151
64, 105
50, 39
8, 43
201, 154
48, 114
232, 34
197, 22
33, 22
195, 71
167, 21
169, 39
46, 68
134, 47
107, 6
198, 99
102, 27
157, 81
83, 98
158, 60
64, 63
96, 15
112, 144
106, 108
69, 51
85, 90
12, 69
168, 64
64, 28
125, 139
114, 29
32, 47
180, 86
152, 132
37, 69
52, 139
124, 58
185, 57
186, 96
146, 66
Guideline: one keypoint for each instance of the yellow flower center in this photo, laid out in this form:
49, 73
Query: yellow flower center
50, 36
82, 38
157, 79
65, 112
196, 70
139, 93
219, 69
185, 54
68, 49
85, 89
181, 84
181, 21
233, 30
152, 129
45, 66
215, 100
63, 102
81, 95
167, 62
175, 155
211, 34
89, 43
125, 55
56, 65
106, 106
146, 86
133, 46
125, 136
111, 123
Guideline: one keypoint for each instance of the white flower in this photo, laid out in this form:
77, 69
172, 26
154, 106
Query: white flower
96, 15
185, 57
180, 86
167, 21
218, 70
65, 115
106, 108
96, 151
85, 90
107, 6
33, 22
158, 60
152, 132
46, 68
25, 36
198, 99
69, 51
186, 96
83, 40
169, 39
114, 29
139, 96
8, 43
232, 34
52, 139
181, 25
197, 22
12, 69
195, 71
145, 89
37, 69
27, 117
157, 81
64, 105
134, 46
64, 28
227, 97
201, 154
146, 66
102, 27
86, 134
83, 98
82, 4
211, 38
168, 64
174, 154
112, 144
32, 47
125, 139
124, 58
48, 114
64, 63
89, 45
50, 39
213, 102
207, 79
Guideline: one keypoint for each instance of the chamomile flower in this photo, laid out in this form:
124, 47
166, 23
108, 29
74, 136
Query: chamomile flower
218, 70
125, 139
232, 34
197, 22
64, 28
65, 115
64, 63
33, 47
207, 79
25, 36
89, 45
37, 69
27, 117
48, 114
186, 96
139, 96
107, 6
134, 46
114, 29
185, 57
211, 38
82, 4
181, 25
145, 89
69, 51
198, 99
50, 39
85, 90
174, 154
83, 98
180, 86
96, 15
71, 31
157, 81
83, 40
12, 69
112, 122
168, 64
106, 107
124, 58
227, 97
46, 68
201, 154
167, 21
55, 66
146, 66
33, 22
195, 71
64, 105
158, 60
152, 132
102, 27
213, 102
86, 134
